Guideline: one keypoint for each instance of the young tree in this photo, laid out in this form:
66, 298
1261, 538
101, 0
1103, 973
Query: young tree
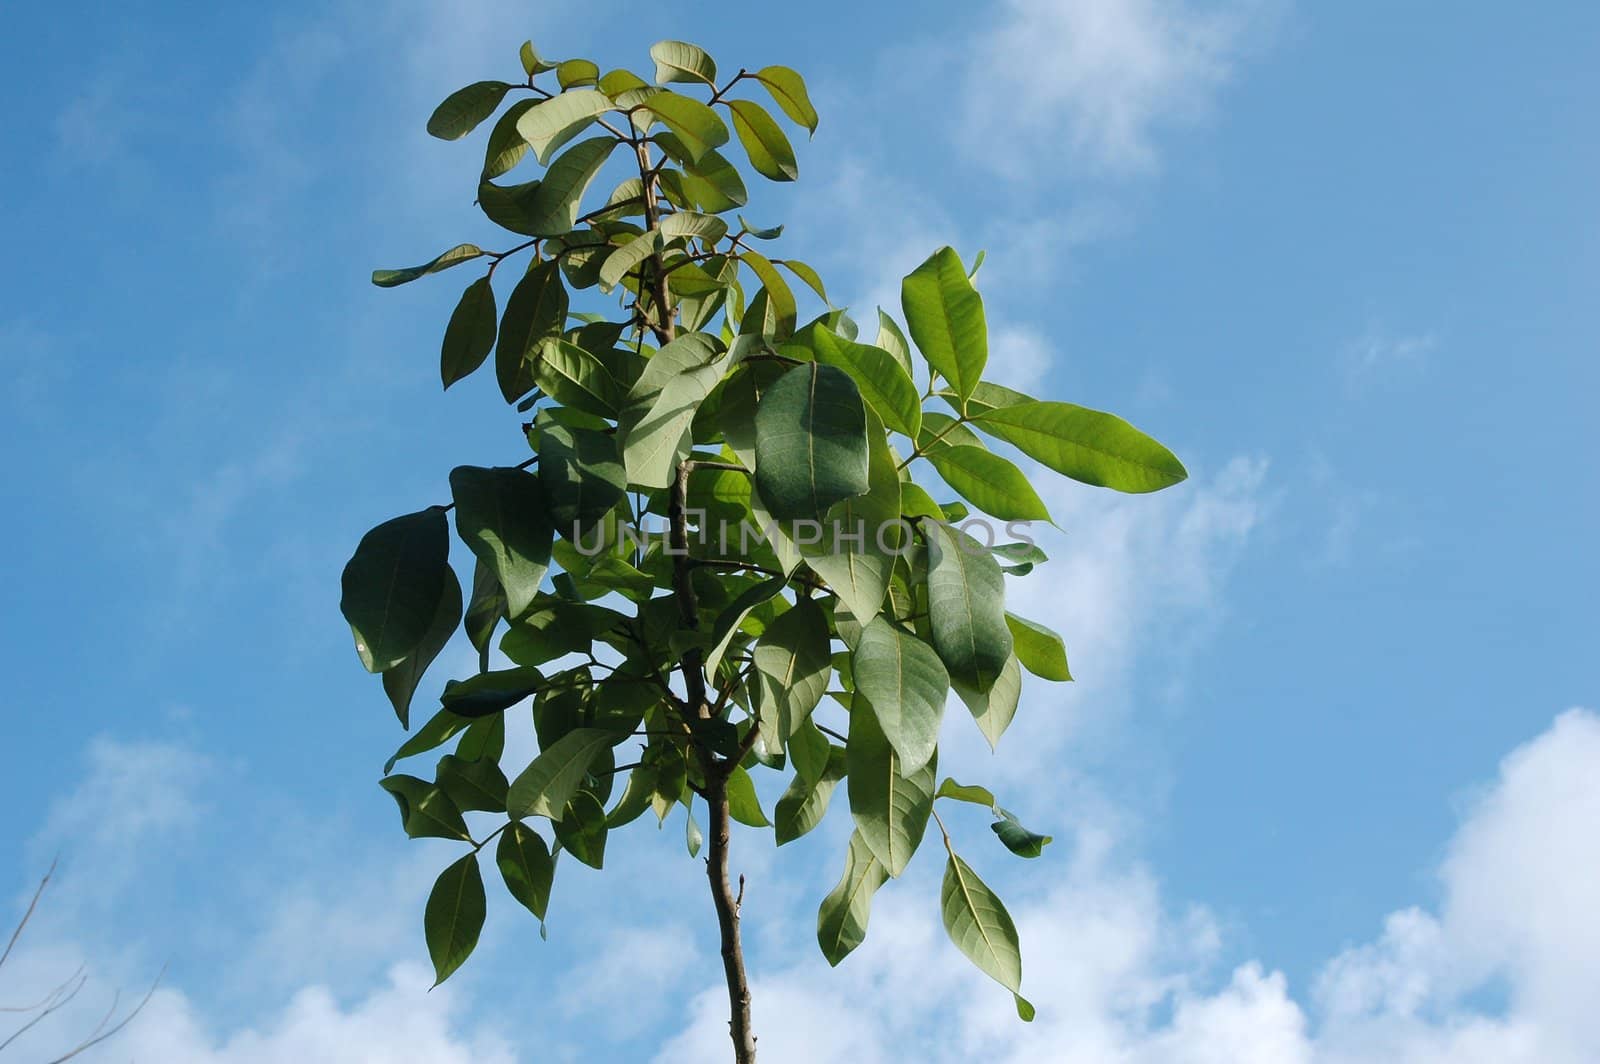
717, 560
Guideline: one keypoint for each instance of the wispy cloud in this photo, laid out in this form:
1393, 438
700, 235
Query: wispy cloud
1090, 84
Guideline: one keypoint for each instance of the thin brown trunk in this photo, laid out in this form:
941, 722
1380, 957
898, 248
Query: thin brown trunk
727, 903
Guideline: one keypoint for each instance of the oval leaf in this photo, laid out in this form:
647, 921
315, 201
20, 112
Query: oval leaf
966, 607
945, 315
906, 685
1087, 445
842, 919
546, 786
890, 808
883, 383
470, 336
991, 483
1040, 650
811, 442
764, 141
463, 109
400, 682
788, 91
680, 61
392, 584
527, 867
979, 924
553, 122
501, 516
454, 916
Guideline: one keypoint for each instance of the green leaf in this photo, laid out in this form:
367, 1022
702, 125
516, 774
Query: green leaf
788, 91
712, 182
454, 916
842, 919
793, 661
979, 924
616, 82
392, 585
469, 337
890, 808
440, 729
804, 804
553, 207
812, 279
949, 788
576, 378
490, 692
553, 122
994, 709
696, 126
966, 607
485, 740
484, 610
501, 516
577, 72
678, 61
866, 533
1018, 839
582, 829
463, 109
993, 484
892, 340
454, 257
1040, 650
426, 812
764, 142
691, 833
1087, 445
809, 750
546, 786
400, 682
536, 310
506, 146
655, 429
627, 258
945, 315
531, 62
635, 797
778, 292
581, 474
732, 616
473, 784
906, 685
884, 384
743, 805
705, 227
527, 867
811, 442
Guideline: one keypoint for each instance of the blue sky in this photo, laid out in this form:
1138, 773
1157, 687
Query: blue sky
1321, 792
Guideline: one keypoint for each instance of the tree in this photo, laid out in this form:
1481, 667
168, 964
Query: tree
718, 521
62, 995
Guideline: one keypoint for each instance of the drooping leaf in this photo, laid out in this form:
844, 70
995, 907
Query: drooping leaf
490, 692
780, 296
454, 916
484, 611
532, 63
506, 147
890, 808
1018, 839
788, 91
535, 311
811, 442
884, 384
469, 337
463, 109
811, 278
1040, 650
426, 812
994, 709
527, 867
743, 805
804, 803
546, 786
966, 607
577, 378
454, 257
553, 122
392, 585
732, 616
581, 474
439, 729
501, 515
842, 919
979, 924
654, 430
553, 207
764, 141
945, 315
472, 784
862, 535
793, 661
1087, 445
628, 257
906, 686
990, 482
582, 829
680, 61
400, 682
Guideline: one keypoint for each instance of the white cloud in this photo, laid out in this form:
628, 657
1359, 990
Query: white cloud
1088, 83
1119, 980
1381, 353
